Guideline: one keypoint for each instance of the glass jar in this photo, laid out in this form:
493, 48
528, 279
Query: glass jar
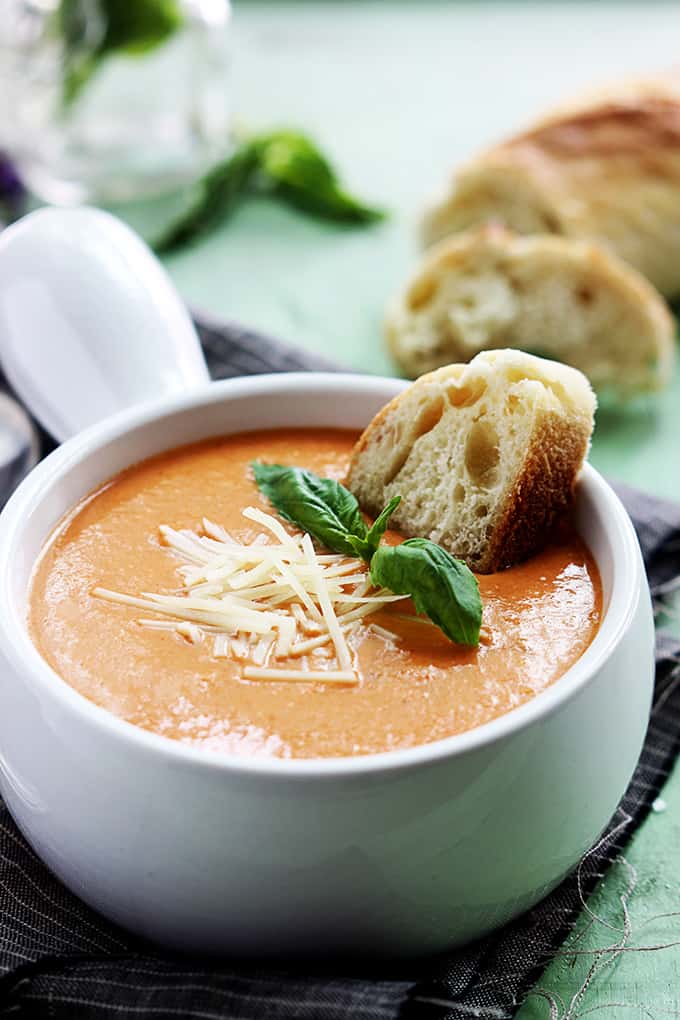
99, 109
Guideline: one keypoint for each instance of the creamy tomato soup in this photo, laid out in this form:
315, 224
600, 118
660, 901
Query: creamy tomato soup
413, 685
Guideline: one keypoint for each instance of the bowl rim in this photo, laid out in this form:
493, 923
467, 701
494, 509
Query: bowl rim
25, 658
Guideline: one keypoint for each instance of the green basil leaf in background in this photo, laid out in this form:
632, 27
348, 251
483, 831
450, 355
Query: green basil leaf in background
217, 194
296, 171
320, 506
81, 27
283, 164
93, 29
140, 26
442, 587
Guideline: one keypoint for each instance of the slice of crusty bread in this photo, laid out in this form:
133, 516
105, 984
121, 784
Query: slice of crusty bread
484, 456
603, 166
570, 300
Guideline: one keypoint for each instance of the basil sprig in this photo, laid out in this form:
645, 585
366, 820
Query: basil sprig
322, 507
442, 587
284, 164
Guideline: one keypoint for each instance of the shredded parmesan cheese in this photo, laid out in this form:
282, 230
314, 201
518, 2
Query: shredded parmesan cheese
274, 598
222, 647
337, 637
382, 632
326, 676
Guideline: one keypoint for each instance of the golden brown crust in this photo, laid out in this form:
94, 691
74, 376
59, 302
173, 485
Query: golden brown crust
540, 495
642, 129
605, 167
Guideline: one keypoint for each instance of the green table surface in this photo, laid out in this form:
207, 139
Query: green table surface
398, 93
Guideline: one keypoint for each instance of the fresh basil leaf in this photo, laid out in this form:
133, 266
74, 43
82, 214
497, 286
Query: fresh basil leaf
78, 72
81, 29
365, 547
140, 26
288, 155
92, 31
216, 196
442, 587
379, 527
320, 506
294, 169
283, 164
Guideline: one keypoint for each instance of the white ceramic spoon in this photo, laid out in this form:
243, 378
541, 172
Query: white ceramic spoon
89, 320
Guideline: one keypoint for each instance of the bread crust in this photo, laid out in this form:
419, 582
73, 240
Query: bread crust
541, 495
605, 166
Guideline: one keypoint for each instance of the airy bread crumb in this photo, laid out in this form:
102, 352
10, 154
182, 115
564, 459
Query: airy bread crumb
484, 455
569, 300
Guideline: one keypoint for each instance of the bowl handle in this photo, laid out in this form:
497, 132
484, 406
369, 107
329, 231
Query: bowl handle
89, 320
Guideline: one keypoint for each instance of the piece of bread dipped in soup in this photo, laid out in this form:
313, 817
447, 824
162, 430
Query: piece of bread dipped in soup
484, 456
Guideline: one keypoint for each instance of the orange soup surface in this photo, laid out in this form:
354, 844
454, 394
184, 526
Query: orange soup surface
415, 686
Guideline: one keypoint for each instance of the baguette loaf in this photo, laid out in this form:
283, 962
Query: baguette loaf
484, 456
570, 300
605, 167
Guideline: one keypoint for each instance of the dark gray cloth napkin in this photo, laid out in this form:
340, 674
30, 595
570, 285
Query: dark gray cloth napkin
58, 959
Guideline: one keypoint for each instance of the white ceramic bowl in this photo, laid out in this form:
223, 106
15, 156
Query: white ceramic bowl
406, 852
